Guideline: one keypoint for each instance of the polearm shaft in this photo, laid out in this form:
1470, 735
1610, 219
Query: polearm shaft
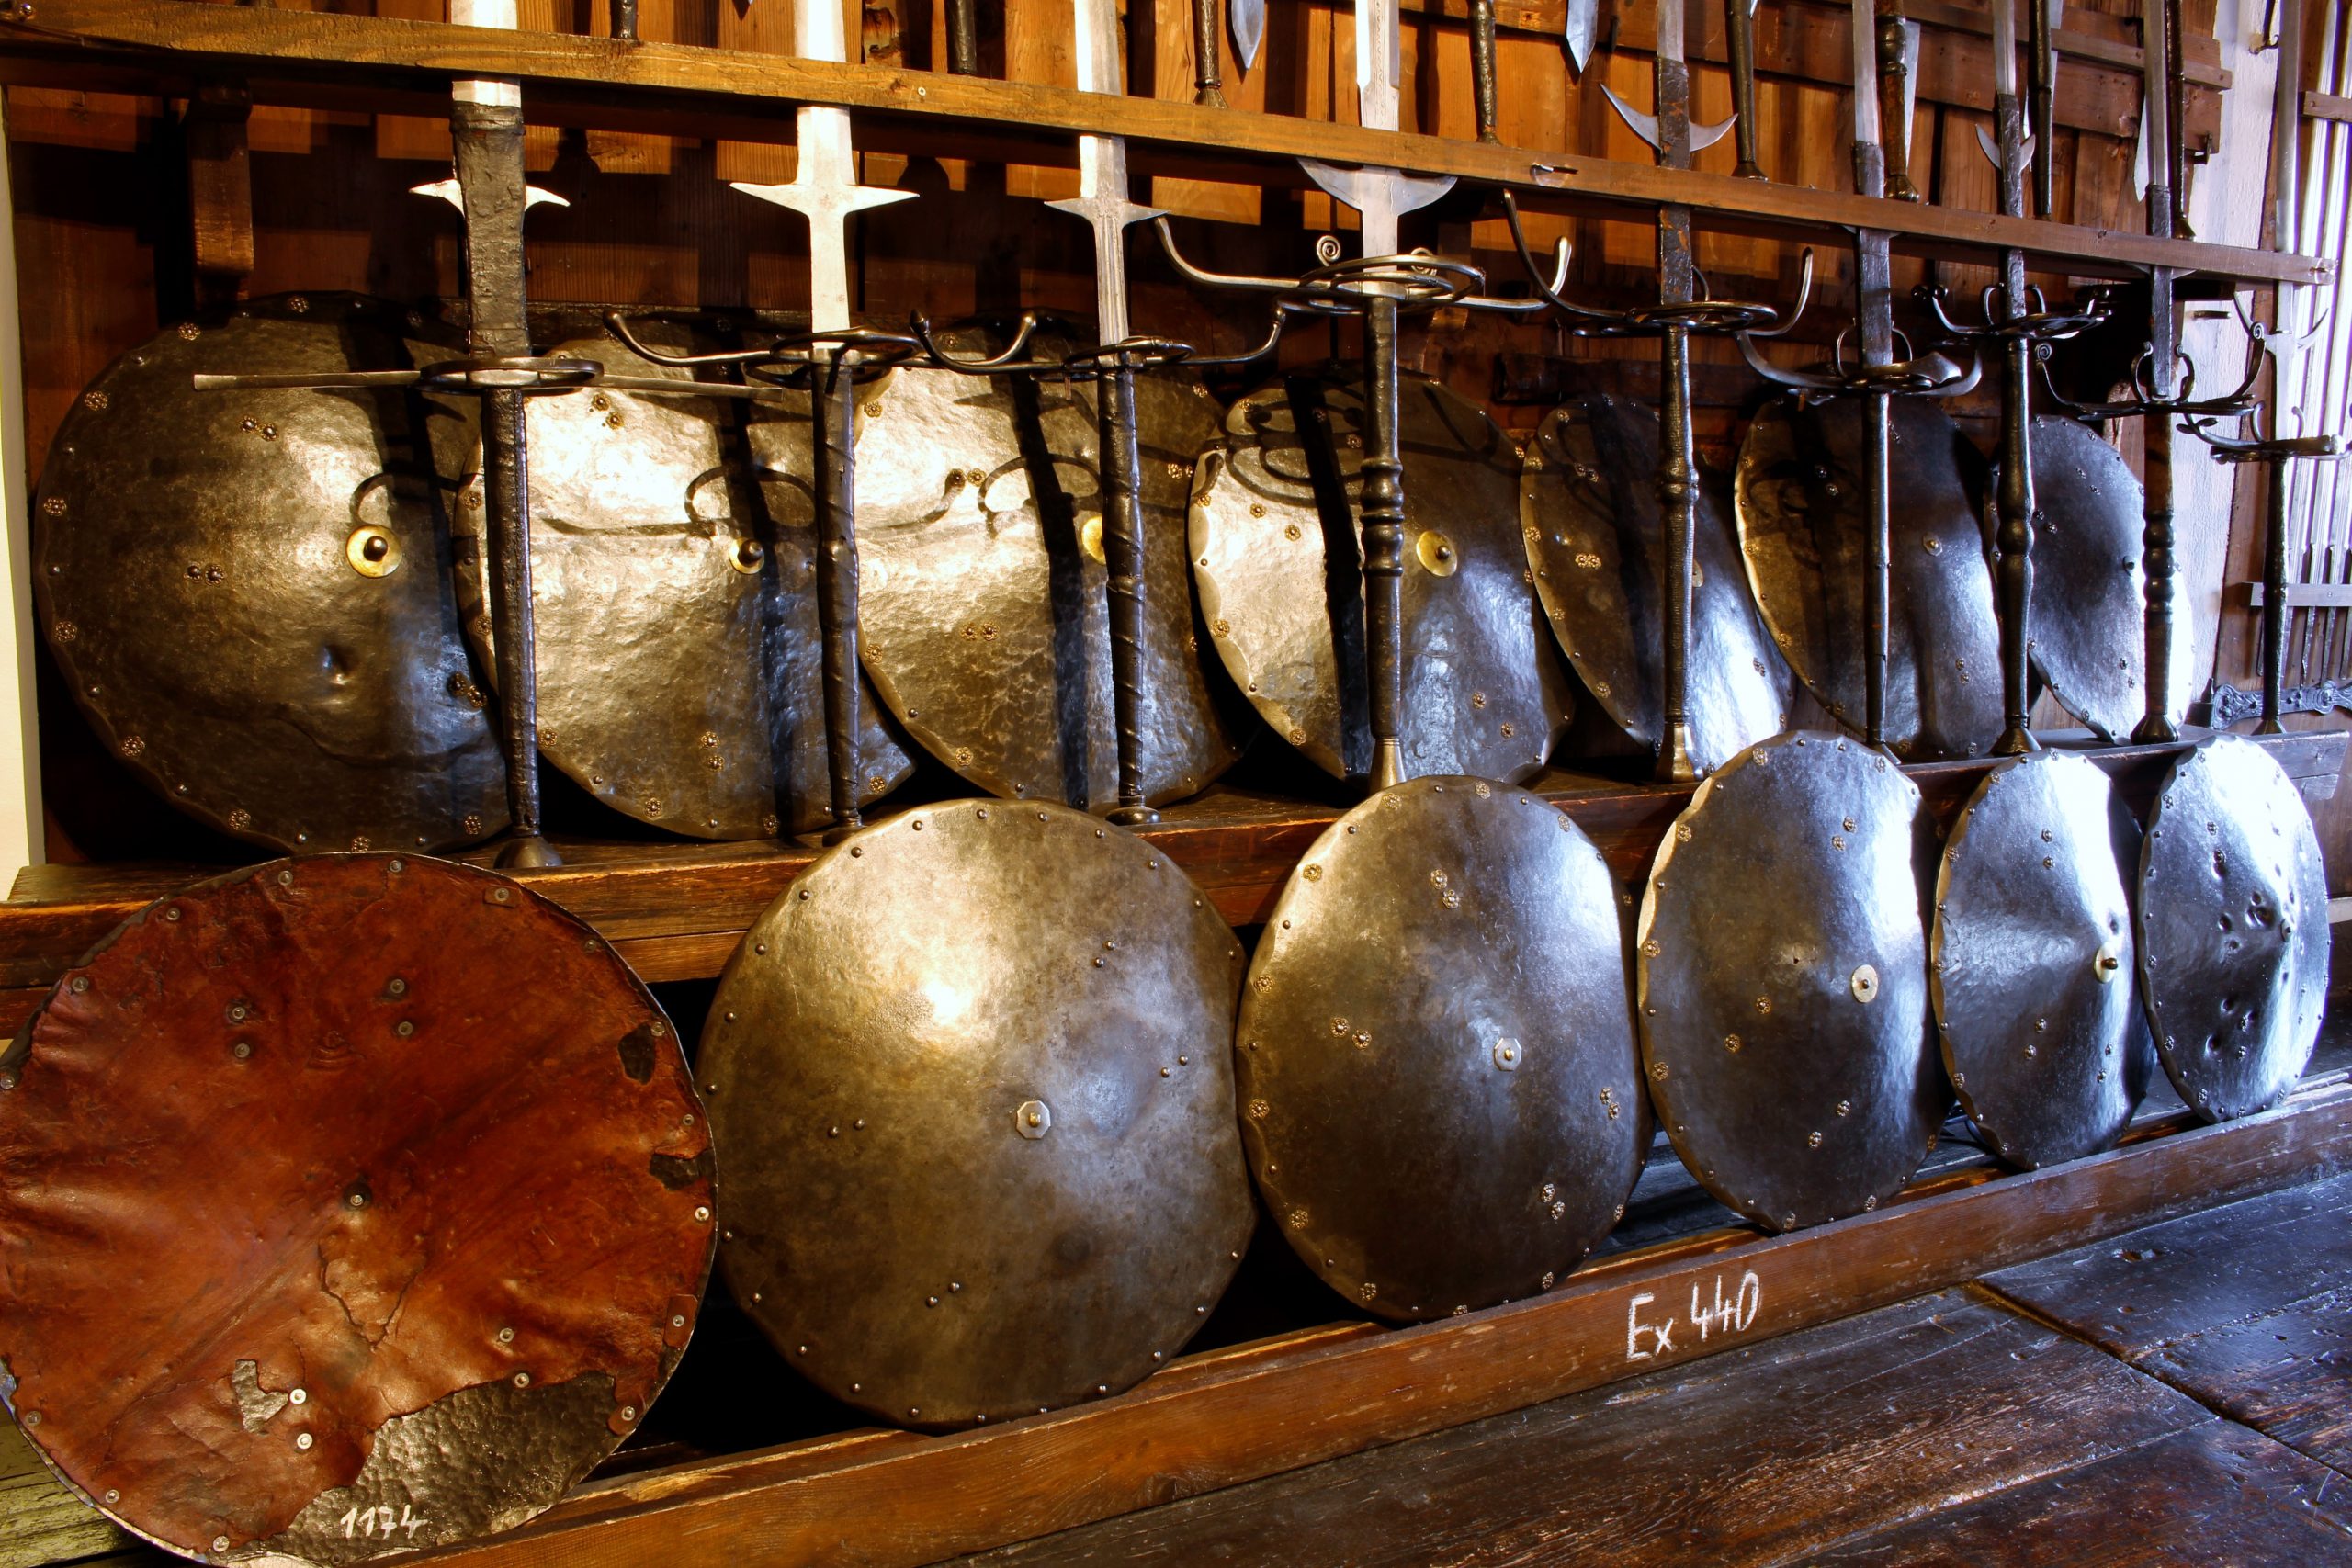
1739, 46
2042, 98
2014, 500
824, 190
1874, 316
486, 137
1102, 202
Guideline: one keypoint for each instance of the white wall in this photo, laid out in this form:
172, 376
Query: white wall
20, 819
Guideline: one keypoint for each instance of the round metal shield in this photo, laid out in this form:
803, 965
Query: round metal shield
1277, 553
1589, 508
2089, 593
985, 622
675, 602
1782, 983
1437, 1075
2233, 933
971, 1084
249, 592
2032, 977
1803, 527
324, 1238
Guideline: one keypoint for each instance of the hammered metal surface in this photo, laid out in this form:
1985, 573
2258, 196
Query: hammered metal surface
201, 563
1803, 528
325, 1236
1441, 1100
2234, 929
971, 1086
1781, 982
674, 585
1588, 509
984, 619
2089, 593
2032, 976
1484, 692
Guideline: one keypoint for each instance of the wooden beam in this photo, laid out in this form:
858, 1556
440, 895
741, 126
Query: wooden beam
585, 80
893, 1499
2328, 106
2306, 596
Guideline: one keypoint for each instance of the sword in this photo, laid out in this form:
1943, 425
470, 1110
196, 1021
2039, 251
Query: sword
824, 190
1379, 195
1102, 202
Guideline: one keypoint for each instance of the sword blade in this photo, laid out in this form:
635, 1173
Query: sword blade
1582, 31
1102, 170
1247, 20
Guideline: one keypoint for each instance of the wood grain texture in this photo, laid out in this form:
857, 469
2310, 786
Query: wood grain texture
2214, 1493
2245, 1306
898, 1499
1755, 1457
581, 80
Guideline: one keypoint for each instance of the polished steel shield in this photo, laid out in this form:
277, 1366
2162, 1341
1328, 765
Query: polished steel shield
2032, 963
983, 613
2233, 932
324, 1238
249, 592
1781, 979
1804, 525
2089, 593
1439, 1091
971, 1084
1589, 508
1276, 547
674, 582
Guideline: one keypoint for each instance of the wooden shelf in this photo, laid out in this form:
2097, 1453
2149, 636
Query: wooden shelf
882, 1498
344, 62
676, 911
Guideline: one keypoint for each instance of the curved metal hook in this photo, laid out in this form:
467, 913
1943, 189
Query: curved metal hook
1804, 297
1274, 336
1009, 362
1207, 279
618, 325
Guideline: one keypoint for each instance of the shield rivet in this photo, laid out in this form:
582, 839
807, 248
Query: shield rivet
1507, 1054
2108, 964
1034, 1119
1813, 1140
1865, 984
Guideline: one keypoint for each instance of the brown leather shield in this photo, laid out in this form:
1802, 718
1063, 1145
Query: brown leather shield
1276, 549
249, 592
2089, 592
673, 584
1781, 983
1439, 1089
1803, 506
971, 1087
2031, 953
2233, 928
1589, 509
326, 1235
983, 616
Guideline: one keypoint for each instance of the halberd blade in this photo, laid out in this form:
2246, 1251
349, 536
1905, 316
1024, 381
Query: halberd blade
1247, 20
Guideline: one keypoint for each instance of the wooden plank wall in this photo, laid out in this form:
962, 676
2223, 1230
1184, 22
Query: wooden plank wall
131, 212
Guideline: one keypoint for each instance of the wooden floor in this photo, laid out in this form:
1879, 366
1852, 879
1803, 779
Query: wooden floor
2182, 1395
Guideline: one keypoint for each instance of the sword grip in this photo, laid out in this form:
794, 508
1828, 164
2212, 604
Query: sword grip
1895, 124
1208, 69
963, 38
2274, 596
1383, 541
1877, 434
2156, 552
506, 490
1678, 499
1122, 558
1482, 68
1739, 43
832, 407
2014, 539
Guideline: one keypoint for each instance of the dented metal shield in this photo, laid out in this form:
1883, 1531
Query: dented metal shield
324, 1240
1439, 1090
1804, 525
1276, 546
2089, 636
1781, 978
1590, 510
2032, 955
674, 582
249, 592
971, 1084
984, 619
2233, 928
